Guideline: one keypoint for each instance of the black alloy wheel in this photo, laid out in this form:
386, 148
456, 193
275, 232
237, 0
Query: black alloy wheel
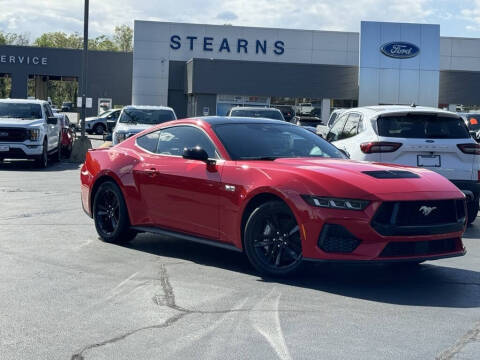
110, 214
272, 239
99, 129
42, 160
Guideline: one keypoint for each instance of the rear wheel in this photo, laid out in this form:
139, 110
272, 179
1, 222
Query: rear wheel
272, 240
110, 214
472, 210
99, 129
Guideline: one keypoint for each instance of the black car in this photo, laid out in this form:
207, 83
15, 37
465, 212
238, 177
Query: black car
288, 111
68, 106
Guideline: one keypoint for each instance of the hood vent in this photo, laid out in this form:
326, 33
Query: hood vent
391, 174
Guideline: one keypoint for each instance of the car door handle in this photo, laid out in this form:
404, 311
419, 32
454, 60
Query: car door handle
151, 172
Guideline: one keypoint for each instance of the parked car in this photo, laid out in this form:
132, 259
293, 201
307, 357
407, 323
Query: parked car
98, 124
256, 112
416, 136
271, 189
136, 118
304, 108
28, 130
67, 135
68, 106
288, 111
313, 121
334, 116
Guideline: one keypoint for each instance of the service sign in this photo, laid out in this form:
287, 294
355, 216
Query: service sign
400, 50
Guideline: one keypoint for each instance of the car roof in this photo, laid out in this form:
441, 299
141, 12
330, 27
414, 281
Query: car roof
219, 120
24, 101
378, 110
256, 108
148, 107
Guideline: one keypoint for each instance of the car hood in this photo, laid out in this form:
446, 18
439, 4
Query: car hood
131, 128
13, 122
347, 178
92, 118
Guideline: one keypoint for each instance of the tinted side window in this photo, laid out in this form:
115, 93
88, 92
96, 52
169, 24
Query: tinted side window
337, 129
174, 139
149, 141
351, 126
48, 111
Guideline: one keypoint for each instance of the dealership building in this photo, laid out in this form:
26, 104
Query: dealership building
207, 69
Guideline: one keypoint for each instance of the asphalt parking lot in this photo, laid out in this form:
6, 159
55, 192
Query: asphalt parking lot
64, 294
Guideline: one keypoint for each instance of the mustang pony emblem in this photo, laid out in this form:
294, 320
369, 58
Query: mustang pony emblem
426, 210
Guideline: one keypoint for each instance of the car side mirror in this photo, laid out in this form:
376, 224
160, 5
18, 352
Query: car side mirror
52, 120
196, 153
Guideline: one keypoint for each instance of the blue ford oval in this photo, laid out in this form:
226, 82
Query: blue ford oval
400, 49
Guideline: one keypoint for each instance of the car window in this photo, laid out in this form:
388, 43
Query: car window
264, 113
146, 116
351, 126
430, 126
149, 141
48, 111
473, 121
336, 132
257, 141
175, 139
20, 110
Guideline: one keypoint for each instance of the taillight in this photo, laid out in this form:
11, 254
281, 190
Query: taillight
472, 149
379, 147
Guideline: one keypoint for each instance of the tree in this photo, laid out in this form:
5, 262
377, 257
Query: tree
102, 42
59, 40
14, 39
123, 37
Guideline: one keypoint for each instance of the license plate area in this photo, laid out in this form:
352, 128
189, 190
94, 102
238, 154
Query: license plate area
429, 160
4, 148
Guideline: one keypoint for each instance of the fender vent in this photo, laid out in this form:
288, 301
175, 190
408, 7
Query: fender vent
391, 174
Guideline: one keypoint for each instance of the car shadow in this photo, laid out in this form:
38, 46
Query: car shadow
430, 285
23, 165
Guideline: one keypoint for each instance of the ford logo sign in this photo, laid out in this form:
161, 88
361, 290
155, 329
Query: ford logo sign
400, 50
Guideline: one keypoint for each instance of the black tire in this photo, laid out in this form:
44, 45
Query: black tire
472, 210
58, 153
272, 240
99, 129
42, 160
67, 151
111, 215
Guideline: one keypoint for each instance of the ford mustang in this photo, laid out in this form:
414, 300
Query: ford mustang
270, 189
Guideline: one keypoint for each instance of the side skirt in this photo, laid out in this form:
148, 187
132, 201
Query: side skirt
155, 230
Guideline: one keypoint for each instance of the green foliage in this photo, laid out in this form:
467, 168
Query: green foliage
123, 37
14, 39
59, 40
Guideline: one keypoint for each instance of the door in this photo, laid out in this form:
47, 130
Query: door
52, 130
347, 140
180, 194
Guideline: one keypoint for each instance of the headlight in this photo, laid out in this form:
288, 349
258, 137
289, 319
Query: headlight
34, 134
119, 137
335, 203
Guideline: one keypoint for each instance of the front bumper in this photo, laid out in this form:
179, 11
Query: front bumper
21, 151
364, 243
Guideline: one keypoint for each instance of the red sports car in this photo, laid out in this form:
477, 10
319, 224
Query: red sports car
273, 190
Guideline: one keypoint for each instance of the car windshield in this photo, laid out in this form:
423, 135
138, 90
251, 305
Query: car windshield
268, 141
20, 111
144, 116
309, 122
105, 113
418, 126
260, 113
473, 121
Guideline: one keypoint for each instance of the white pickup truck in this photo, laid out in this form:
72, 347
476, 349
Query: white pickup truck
28, 130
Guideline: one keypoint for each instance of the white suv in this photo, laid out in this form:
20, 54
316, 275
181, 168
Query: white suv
417, 136
28, 130
136, 118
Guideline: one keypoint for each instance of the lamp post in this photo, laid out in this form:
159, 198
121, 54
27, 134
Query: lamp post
82, 144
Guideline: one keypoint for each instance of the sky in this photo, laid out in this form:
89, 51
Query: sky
456, 17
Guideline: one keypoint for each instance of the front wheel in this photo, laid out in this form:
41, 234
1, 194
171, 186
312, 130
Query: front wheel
99, 129
42, 160
110, 214
272, 240
472, 210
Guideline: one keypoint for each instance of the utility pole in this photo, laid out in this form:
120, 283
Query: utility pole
83, 143
84, 68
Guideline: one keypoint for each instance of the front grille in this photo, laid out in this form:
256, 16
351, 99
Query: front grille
419, 248
13, 134
336, 239
420, 217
